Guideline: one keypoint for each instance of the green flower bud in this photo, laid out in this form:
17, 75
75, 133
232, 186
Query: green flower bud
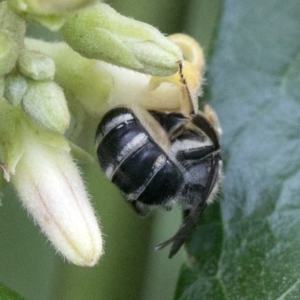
45, 103
9, 52
36, 65
81, 78
100, 32
15, 88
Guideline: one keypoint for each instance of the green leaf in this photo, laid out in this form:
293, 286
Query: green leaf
254, 252
7, 294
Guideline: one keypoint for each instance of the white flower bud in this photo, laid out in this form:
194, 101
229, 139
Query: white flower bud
50, 187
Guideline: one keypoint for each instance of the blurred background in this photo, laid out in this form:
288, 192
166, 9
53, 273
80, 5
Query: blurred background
130, 269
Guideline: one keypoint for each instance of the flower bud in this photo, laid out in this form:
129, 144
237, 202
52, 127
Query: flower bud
15, 88
45, 103
36, 65
81, 78
39, 165
50, 187
99, 32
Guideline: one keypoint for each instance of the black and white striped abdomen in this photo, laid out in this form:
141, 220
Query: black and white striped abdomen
133, 161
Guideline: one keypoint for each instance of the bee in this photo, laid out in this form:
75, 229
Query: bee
150, 173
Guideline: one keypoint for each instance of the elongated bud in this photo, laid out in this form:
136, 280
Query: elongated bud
100, 32
50, 187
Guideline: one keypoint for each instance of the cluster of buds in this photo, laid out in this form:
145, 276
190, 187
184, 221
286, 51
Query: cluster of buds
44, 85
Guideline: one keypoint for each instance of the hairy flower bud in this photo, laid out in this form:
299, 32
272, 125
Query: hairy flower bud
36, 65
100, 32
81, 78
49, 184
39, 165
45, 103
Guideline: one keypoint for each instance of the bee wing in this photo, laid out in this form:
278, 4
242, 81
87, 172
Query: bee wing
195, 213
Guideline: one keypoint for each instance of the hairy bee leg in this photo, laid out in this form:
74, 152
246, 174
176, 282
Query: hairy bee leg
194, 215
184, 231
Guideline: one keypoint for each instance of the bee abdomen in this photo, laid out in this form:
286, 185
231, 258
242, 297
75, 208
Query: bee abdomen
133, 161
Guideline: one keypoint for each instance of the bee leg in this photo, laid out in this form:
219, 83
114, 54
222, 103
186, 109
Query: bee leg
196, 153
184, 231
194, 215
212, 117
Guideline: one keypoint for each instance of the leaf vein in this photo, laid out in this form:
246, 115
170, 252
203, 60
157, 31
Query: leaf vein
288, 291
223, 287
